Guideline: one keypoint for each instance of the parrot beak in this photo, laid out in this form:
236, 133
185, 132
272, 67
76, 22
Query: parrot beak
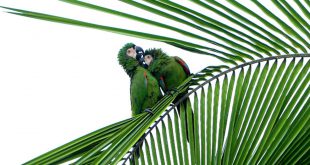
140, 52
140, 56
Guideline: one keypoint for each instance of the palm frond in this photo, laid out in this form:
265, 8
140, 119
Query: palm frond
245, 40
78, 147
255, 131
250, 127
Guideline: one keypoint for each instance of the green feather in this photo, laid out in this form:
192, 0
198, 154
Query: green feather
144, 88
128, 63
167, 67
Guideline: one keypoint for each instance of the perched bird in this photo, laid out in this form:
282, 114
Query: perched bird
169, 71
144, 88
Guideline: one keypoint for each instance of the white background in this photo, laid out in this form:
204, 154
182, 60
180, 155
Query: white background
59, 82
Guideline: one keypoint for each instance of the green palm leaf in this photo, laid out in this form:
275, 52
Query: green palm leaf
270, 124
263, 131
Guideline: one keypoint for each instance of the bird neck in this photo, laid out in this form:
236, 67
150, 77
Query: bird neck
130, 66
158, 63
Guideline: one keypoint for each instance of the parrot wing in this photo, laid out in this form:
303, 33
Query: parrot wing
183, 64
138, 91
162, 83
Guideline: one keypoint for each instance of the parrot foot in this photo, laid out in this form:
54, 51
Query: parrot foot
172, 91
149, 110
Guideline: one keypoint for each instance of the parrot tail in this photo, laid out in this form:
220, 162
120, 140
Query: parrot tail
184, 105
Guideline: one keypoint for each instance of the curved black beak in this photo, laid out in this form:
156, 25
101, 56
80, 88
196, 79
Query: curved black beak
140, 56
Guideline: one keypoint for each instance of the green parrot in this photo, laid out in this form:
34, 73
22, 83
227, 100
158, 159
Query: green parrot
144, 88
169, 71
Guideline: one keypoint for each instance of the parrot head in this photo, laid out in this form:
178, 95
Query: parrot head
130, 56
148, 59
152, 55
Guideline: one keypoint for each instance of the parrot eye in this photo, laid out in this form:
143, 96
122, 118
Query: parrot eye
148, 57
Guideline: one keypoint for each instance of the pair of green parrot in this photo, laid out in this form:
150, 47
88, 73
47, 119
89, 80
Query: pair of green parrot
148, 71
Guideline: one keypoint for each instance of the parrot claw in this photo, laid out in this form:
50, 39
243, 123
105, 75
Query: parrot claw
148, 110
172, 91
169, 93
